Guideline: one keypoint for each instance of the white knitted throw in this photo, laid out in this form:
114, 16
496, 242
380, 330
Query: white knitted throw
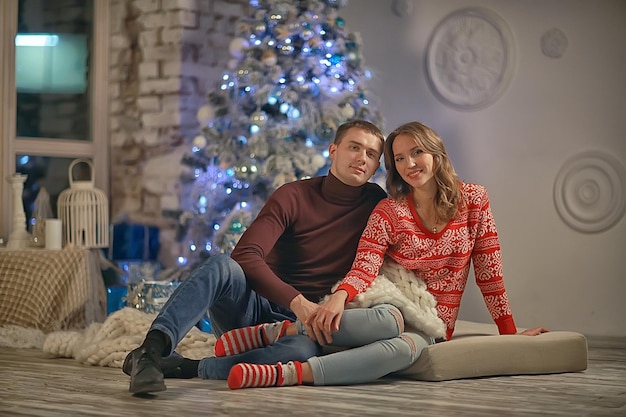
400, 287
108, 343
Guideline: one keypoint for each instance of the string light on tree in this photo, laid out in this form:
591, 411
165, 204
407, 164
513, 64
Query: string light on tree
295, 73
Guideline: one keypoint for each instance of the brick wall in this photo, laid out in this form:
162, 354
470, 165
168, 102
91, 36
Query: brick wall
165, 56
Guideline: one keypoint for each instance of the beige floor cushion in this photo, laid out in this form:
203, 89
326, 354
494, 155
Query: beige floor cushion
476, 350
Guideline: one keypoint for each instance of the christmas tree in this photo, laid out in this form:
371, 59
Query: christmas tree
295, 75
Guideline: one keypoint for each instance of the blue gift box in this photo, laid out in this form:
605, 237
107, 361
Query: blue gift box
116, 298
133, 242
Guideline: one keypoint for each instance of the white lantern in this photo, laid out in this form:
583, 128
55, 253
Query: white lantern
84, 211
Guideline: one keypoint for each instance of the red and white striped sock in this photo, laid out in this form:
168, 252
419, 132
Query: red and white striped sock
248, 338
248, 375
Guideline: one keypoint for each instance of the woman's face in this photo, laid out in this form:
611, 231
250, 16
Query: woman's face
415, 166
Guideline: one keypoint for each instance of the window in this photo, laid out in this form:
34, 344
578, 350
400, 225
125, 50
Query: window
53, 84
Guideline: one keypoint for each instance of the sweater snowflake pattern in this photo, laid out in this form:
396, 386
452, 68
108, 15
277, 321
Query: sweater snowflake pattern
442, 260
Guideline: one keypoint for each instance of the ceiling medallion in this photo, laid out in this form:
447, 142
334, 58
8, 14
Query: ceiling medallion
470, 59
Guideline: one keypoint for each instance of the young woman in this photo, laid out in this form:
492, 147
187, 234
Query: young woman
433, 225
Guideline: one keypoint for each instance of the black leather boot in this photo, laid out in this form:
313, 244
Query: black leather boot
145, 371
170, 366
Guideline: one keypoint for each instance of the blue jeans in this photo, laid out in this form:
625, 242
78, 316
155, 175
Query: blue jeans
377, 346
219, 286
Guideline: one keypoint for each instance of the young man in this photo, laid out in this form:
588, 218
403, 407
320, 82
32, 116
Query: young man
302, 242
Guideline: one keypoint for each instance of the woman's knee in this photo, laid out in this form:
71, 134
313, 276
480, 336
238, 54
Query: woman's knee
414, 344
398, 353
361, 326
391, 315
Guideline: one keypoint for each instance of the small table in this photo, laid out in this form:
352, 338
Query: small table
51, 290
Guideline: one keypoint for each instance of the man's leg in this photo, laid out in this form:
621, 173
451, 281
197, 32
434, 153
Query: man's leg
288, 348
218, 282
219, 286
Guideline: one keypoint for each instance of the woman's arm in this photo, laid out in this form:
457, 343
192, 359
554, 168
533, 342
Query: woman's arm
487, 260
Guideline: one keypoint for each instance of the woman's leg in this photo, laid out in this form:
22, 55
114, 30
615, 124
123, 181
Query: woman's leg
353, 366
367, 363
358, 327
362, 326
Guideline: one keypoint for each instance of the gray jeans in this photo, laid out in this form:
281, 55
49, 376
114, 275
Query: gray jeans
376, 346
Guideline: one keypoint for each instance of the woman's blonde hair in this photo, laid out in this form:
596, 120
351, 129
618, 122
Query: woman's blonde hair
448, 198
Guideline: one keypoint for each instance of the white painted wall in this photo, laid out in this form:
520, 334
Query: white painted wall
553, 109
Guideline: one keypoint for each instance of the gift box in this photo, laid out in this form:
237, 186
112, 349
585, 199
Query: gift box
150, 296
137, 271
129, 241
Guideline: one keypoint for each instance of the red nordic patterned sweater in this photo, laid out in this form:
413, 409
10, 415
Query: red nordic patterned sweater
442, 260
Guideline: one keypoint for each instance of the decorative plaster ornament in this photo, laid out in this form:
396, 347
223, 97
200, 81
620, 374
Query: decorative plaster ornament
402, 8
470, 59
554, 43
590, 192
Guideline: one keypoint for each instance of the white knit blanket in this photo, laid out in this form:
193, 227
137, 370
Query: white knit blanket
108, 343
402, 288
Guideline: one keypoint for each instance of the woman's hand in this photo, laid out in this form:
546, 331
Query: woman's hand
534, 331
325, 320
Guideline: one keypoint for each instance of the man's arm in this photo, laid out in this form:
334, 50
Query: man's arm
258, 240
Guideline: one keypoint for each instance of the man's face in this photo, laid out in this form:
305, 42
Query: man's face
356, 158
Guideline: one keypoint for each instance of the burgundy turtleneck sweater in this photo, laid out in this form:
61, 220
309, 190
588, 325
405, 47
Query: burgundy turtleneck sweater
305, 238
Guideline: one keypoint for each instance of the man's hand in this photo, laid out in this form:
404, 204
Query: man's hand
325, 320
534, 331
302, 307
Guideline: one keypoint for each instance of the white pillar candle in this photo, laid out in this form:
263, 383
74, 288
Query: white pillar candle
54, 235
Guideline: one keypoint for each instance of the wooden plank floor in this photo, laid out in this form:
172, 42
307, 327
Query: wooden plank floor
33, 385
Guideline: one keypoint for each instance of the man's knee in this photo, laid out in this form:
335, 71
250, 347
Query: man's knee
220, 261
296, 348
218, 268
